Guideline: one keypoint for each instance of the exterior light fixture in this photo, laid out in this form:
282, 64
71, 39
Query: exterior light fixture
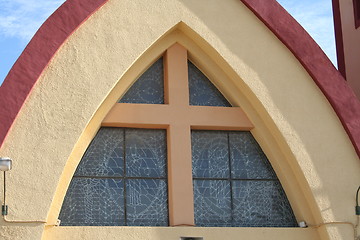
357, 207
5, 165
303, 224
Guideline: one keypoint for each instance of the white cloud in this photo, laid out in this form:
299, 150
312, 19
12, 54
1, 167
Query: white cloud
316, 17
22, 18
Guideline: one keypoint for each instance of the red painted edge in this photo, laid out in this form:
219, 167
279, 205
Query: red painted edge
37, 55
339, 37
316, 63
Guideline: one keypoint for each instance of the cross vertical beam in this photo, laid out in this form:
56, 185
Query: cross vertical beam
181, 201
176, 76
181, 197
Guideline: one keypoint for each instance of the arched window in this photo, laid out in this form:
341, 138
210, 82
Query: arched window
173, 151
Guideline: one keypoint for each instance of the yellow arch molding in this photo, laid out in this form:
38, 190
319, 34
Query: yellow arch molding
209, 61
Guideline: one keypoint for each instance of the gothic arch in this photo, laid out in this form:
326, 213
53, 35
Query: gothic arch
267, 77
233, 87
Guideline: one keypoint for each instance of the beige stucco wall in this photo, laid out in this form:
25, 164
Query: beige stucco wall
351, 39
294, 123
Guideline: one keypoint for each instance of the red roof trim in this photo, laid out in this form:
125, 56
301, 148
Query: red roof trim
54, 32
36, 56
316, 63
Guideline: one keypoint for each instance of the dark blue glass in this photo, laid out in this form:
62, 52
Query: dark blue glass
104, 156
101, 192
261, 204
212, 203
145, 152
248, 161
202, 91
251, 197
149, 87
146, 202
93, 202
210, 154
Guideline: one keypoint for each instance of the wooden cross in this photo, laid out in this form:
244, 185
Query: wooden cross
178, 117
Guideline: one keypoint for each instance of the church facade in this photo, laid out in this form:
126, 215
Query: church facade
176, 120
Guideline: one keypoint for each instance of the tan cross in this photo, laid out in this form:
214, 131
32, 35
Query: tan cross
178, 117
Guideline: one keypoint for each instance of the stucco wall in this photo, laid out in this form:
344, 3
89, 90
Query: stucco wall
294, 123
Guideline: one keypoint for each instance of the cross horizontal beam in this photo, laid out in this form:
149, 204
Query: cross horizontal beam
163, 115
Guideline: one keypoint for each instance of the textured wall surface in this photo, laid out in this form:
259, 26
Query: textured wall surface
294, 122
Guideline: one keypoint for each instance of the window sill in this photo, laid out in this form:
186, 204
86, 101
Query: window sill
168, 233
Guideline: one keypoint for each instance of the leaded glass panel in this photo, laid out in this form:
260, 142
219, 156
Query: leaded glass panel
210, 154
261, 204
212, 203
93, 202
104, 156
248, 161
101, 193
146, 202
202, 92
149, 87
249, 196
145, 153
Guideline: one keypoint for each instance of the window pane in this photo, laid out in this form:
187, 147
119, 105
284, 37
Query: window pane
212, 203
145, 153
146, 202
102, 195
104, 156
261, 204
202, 91
248, 161
149, 88
257, 200
210, 154
93, 202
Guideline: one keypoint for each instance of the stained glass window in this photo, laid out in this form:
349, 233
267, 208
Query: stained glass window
202, 91
149, 88
234, 183
122, 178
120, 181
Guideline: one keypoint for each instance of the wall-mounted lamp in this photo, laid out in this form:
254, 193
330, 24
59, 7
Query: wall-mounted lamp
5, 165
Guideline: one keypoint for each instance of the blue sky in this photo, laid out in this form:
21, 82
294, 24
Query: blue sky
20, 19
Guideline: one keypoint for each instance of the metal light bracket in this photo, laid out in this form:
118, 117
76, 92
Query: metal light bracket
5, 165
4, 210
